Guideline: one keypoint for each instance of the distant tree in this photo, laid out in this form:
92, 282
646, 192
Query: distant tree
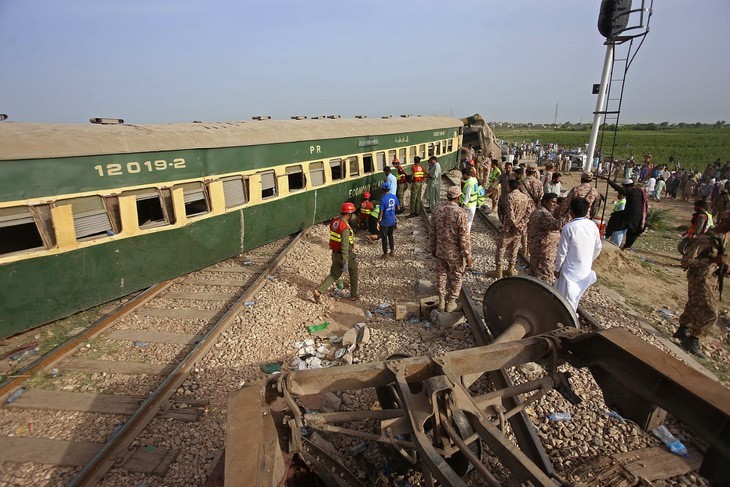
719, 124
664, 124
682, 125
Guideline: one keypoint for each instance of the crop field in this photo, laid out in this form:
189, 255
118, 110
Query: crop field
691, 147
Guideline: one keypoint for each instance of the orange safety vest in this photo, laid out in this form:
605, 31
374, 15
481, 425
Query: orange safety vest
418, 173
366, 207
337, 228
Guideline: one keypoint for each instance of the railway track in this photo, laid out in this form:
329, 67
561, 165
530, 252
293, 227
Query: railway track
139, 356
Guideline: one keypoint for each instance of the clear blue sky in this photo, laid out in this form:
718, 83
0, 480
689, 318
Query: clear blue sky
158, 61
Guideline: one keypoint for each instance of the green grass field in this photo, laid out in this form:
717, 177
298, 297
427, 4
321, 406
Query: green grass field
691, 147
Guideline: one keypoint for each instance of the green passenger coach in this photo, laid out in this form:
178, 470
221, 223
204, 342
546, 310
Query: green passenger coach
89, 213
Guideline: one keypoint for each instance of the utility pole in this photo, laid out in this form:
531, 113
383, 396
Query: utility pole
555, 119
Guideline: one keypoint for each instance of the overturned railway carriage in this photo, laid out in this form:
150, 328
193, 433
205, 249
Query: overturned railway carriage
89, 213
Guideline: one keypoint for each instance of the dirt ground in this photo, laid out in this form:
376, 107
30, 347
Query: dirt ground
651, 281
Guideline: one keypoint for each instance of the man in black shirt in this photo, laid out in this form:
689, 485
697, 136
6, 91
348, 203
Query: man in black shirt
633, 217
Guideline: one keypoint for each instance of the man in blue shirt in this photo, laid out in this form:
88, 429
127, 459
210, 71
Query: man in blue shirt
391, 180
389, 204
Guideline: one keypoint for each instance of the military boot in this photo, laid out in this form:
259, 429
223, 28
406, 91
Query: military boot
496, 273
682, 333
452, 306
691, 344
511, 271
442, 303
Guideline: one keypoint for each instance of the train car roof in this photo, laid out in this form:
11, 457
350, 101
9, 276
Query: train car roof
20, 140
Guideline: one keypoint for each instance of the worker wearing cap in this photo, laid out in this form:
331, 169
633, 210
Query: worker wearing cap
417, 176
700, 260
516, 217
389, 205
450, 244
433, 185
583, 190
344, 259
402, 185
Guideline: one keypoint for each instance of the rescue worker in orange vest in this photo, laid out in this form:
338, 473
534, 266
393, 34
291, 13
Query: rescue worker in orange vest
402, 183
366, 207
343, 253
417, 187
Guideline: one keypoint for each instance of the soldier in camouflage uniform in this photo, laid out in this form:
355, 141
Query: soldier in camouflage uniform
701, 310
532, 187
543, 235
515, 223
583, 190
450, 243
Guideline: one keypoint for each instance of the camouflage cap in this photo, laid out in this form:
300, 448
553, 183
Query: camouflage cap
587, 176
453, 192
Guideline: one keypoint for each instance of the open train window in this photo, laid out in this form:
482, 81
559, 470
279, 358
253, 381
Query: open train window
296, 178
18, 231
354, 166
235, 191
422, 151
367, 163
196, 201
338, 169
449, 145
414, 152
431, 149
151, 210
91, 219
380, 160
268, 184
391, 155
316, 173
402, 156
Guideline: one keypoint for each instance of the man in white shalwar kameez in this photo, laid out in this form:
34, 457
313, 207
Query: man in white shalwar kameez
580, 244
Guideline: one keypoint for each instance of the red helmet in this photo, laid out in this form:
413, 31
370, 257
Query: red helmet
348, 208
366, 195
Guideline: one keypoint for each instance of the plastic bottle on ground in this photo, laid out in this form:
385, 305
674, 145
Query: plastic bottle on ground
559, 417
672, 442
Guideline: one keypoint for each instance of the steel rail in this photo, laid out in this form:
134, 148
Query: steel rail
19, 377
105, 459
523, 429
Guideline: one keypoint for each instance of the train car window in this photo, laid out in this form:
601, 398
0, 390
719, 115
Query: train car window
380, 160
402, 155
196, 202
316, 173
338, 169
268, 184
150, 208
90, 217
391, 156
422, 151
367, 163
18, 231
296, 178
42, 216
431, 149
438, 148
413, 153
235, 191
354, 166
449, 145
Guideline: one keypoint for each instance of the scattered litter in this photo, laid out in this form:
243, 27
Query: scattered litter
15, 395
478, 273
140, 344
672, 442
249, 303
427, 326
271, 368
247, 262
319, 327
647, 260
53, 373
334, 339
383, 305
17, 357
559, 417
271, 278
615, 415
368, 314
667, 314
149, 448
360, 448
340, 284
339, 353
21, 348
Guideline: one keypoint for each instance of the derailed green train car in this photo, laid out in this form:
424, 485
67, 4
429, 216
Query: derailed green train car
89, 213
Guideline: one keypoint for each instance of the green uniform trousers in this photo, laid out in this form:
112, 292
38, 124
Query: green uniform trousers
433, 193
416, 194
336, 272
399, 193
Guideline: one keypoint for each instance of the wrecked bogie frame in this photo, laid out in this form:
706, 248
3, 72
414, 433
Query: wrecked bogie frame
432, 421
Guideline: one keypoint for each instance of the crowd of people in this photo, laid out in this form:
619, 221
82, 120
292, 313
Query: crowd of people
551, 225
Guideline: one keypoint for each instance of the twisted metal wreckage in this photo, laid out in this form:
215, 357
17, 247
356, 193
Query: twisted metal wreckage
430, 417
